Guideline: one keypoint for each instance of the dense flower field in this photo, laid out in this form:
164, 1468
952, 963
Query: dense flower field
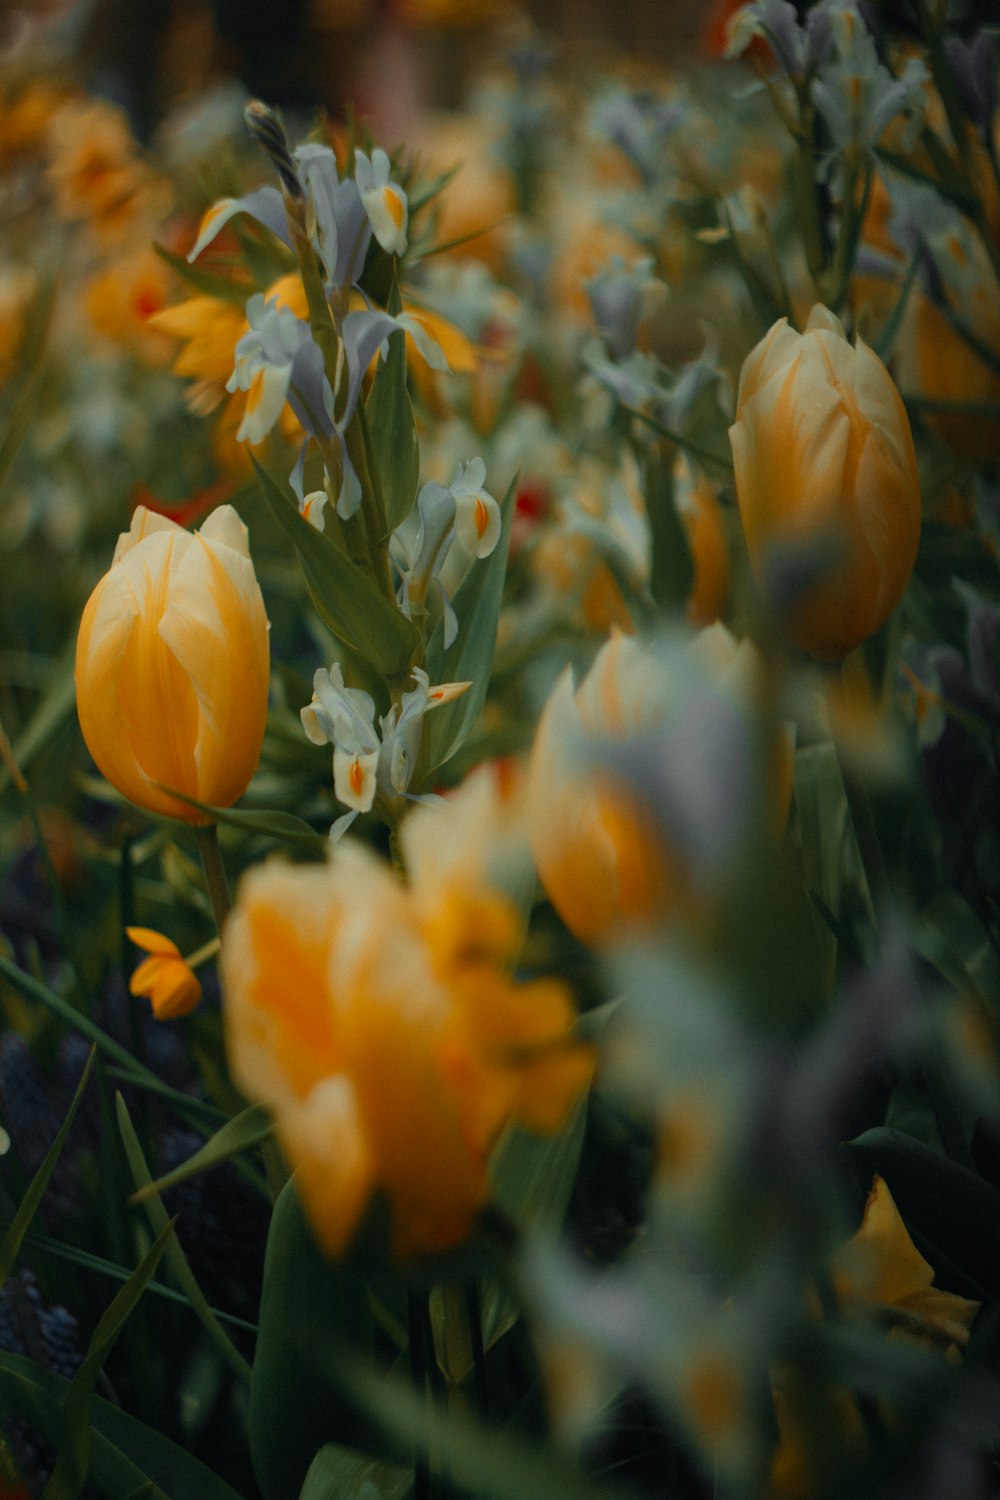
499, 722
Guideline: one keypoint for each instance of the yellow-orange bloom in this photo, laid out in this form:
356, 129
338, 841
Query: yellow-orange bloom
390, 1057
824, 457
701, 516
602, 862
172, 665
880, 1268
164, 977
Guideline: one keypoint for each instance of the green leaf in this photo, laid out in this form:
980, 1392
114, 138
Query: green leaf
186, 1104
488, 1464
392, 428
823, 819
951, 937
309, 1306
31, 360
533, 1178
11, 1245
175, 1257
206, 282
54, 709
283, 826
341, 1474
242, 1133
344, 598
952, 1214
70, 1474
104, 1267
125, 1454
672, 572
470, 657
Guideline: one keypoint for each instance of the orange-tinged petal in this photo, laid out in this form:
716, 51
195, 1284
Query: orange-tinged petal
165, 979
172, 665
824, 457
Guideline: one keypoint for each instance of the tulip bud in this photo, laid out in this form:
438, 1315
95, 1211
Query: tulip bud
617, 851
825, 465
172, 665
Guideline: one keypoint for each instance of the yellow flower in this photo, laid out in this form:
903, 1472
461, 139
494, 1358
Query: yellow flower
879, 1269
210, 328
172, 665
94, 170
123, 300
824, 457
390, 1055
882, 1268
937, 363
165, 977
701, 516
595, 846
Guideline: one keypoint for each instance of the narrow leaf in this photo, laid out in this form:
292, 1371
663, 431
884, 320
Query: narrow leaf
206, 282
242, 1133
283, 826
342, 1474
175, 1257
393, 429
672, 570
29, 1203
344, 598
310, 1305
125, 1454
70, 1474
470, 658
145, 1077
104, 1267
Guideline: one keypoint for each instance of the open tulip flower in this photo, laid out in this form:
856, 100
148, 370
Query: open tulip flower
390, 1058
825, 461
172, 665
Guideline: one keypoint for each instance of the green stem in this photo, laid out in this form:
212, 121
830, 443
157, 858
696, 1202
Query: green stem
372, 508
418, 1370
807, 197
215, 873
851, 223
475, 1317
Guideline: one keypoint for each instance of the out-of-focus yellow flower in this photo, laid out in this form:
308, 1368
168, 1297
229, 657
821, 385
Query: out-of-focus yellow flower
879, 1269
123, 300
939, 364
391, 1047
94, 170
882, 1268
701, 516
164, 977
602, 863
25, 114
17, 287
598, 860
474, 209
210, 328
172, 665
824, 457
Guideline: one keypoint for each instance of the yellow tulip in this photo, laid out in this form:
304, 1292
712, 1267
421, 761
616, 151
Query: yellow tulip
603, 863
390, 1047
824, 455
172, 665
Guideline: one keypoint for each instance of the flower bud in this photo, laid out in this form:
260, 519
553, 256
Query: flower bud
642, 777
826, 472
172, 665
